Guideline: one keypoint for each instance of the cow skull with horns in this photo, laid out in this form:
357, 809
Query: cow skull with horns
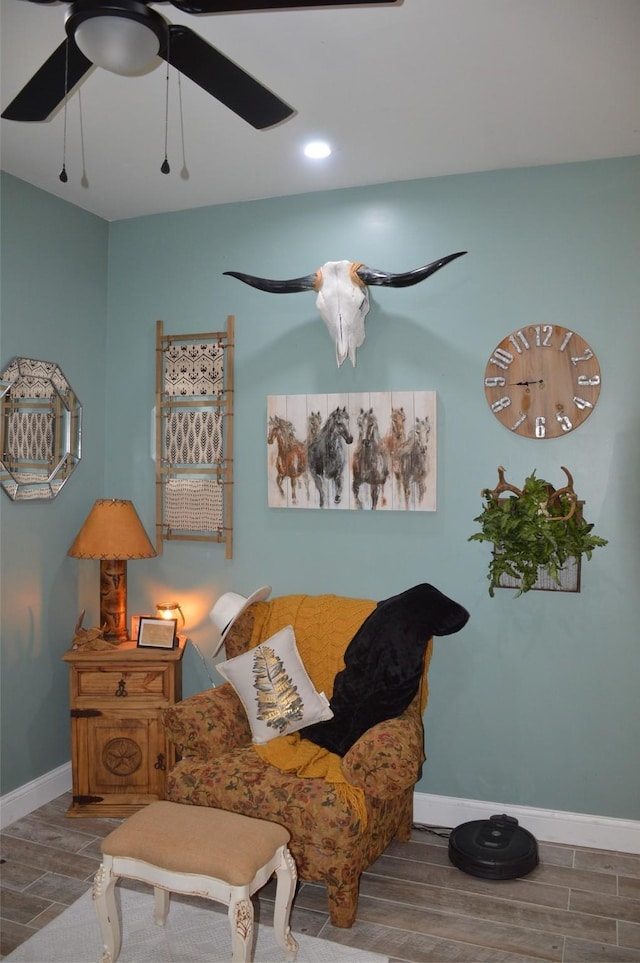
343, 299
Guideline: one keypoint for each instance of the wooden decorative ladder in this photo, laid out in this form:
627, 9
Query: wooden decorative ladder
194, 436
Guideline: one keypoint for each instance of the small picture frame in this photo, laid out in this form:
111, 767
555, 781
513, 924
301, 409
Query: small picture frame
157, 633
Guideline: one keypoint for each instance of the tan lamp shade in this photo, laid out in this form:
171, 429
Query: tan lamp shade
113, 533
112, 529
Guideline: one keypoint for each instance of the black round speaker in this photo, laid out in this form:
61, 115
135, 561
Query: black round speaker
495, 848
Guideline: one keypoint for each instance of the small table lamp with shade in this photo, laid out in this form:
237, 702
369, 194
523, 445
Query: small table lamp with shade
112, 533
170, 610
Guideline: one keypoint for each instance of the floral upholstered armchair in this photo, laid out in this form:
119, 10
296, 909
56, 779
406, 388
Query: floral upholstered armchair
343, 787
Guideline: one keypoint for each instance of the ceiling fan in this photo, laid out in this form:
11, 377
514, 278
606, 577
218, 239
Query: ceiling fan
124, 36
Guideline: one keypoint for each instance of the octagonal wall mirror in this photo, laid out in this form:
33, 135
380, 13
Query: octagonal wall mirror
40, 429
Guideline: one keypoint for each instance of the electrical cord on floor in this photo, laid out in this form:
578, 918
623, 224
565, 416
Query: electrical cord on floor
204, 663
443, 831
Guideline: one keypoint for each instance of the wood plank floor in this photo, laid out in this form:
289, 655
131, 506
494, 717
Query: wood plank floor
578, 906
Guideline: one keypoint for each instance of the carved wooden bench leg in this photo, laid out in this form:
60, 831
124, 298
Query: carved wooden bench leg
241, 922
104, 885
160, 905
286, 875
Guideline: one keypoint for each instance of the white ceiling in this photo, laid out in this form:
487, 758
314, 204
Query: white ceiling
415, 89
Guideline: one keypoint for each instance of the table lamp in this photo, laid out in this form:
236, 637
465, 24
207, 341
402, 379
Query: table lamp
170, 610
113, 533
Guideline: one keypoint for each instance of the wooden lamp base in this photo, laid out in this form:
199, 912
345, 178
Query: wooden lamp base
113, 599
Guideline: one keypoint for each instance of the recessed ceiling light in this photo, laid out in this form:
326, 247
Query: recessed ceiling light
317, 149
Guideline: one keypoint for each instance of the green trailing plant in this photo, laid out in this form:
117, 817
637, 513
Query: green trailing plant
535, 528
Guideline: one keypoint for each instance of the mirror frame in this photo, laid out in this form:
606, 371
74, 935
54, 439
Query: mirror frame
40, 429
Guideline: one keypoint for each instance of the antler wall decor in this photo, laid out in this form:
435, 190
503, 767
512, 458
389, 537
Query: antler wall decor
553, 495
538, 537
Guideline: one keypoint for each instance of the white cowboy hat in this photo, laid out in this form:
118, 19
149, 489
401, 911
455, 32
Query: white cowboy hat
227, 609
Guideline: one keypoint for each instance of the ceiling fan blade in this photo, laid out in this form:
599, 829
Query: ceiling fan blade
231, 85
46, 89
238, 6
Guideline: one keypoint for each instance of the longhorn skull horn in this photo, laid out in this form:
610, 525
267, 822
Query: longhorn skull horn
311, 282
307, 283
373, 276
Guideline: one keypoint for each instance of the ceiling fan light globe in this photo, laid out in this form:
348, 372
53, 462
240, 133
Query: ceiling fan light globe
118, 44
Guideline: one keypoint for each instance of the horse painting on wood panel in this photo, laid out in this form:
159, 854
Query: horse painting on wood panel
370, 450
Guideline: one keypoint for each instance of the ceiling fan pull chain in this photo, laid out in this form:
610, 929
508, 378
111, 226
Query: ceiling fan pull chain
63, 172
165, 164
84, 180
184, 173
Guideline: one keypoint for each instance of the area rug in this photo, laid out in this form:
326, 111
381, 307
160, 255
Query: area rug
190, 935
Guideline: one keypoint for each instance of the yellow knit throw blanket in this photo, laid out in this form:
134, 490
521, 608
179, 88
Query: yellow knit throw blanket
323, 625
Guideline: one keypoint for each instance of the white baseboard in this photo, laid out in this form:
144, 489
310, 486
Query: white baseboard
548, 825
22, 801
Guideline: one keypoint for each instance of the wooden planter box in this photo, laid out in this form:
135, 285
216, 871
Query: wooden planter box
569, 579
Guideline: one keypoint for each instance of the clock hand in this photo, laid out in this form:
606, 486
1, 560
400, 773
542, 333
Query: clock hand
540, 381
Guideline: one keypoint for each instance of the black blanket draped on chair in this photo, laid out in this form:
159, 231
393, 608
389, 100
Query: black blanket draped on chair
383, 664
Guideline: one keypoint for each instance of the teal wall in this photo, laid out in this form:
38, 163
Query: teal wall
535, 701
54, 307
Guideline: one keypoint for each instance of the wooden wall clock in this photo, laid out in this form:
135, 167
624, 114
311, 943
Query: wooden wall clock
542, 381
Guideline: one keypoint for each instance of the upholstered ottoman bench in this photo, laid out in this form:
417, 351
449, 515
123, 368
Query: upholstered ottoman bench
198, 851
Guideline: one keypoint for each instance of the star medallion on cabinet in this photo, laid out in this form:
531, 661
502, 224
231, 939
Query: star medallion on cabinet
542, 381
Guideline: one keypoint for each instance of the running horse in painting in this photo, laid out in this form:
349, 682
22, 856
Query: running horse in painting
314, 424
394, 440
370, 464
326, 455
291, 458
412, 460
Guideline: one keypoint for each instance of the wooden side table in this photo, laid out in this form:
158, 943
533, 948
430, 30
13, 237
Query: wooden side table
120, 754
